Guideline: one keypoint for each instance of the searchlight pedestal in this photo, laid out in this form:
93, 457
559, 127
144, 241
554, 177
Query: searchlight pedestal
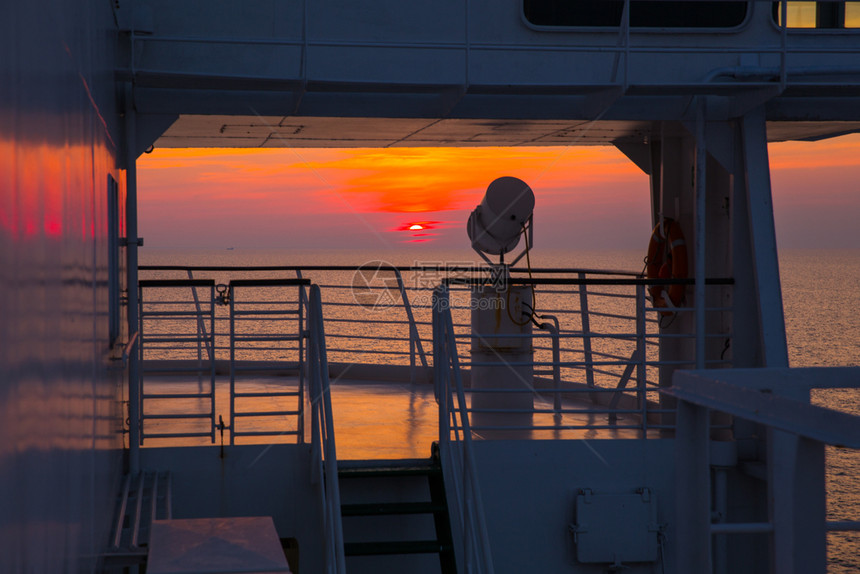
502, 352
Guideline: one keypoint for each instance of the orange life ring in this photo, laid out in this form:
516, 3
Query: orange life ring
667, 259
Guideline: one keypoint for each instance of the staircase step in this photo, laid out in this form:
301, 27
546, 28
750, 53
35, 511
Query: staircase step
382, 508
394, 547
386, 468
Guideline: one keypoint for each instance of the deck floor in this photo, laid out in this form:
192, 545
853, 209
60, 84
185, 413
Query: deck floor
372, 420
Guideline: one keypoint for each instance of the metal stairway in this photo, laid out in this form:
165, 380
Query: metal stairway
396, 508
144, 497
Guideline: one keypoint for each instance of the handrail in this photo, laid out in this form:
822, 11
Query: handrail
127, 348
414, 338
416, 346
778, 399
401, 268
470, 520
737, 397
201, 326
322, 436
604, 317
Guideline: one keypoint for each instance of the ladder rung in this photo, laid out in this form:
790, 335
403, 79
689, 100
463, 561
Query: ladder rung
263, 394
282, 367
150, 339
179, 416
177, 396
178, 435
200, 370
382, 508
201, 314
256, 338
264, 433
266, 413
265, 312
394, 547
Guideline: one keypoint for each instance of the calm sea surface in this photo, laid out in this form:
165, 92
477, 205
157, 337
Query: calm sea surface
821, 297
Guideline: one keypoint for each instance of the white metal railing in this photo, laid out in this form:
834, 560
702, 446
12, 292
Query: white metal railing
172, 324
324, 467
797, 433
372, 318
596, 360
605, 346
455, 443
266, 319
252, 330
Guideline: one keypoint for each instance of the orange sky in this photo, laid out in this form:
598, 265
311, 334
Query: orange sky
587, 197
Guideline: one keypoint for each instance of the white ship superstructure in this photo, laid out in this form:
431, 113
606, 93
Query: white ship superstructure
703, 453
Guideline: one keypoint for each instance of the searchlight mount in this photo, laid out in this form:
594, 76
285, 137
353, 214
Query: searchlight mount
505, 213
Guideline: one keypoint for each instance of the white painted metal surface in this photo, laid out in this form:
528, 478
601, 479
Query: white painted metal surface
323, 438
796, 435
327, 73
239, 545
60, 379
636, 539
502, 357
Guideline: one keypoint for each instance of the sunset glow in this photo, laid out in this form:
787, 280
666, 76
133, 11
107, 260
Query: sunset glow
588, 197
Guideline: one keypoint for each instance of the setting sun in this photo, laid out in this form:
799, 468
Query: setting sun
416, 227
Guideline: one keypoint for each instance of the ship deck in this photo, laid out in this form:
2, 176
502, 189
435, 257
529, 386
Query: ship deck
372, 420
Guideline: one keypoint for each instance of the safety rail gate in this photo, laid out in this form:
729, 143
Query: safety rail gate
183, 327
260, 343
174, 327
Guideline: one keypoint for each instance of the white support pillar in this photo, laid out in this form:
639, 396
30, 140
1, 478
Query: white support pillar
797, 504
701, 226
692, 524
763, 238
131, 271
676, 200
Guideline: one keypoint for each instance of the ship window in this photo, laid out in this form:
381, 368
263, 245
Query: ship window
113, 261
643, 14
797, 14
821, 15
852, 14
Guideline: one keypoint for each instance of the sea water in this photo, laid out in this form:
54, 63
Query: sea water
821, 299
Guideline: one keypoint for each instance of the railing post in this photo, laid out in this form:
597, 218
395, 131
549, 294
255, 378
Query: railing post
232, 366
135, 382
133, 312
440, 364
641, 351
314, 397
553, 329
586, 337
411, 357
414, 338
212, 358
302, 363
201, 326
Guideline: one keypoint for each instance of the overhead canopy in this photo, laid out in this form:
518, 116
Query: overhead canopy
286, 131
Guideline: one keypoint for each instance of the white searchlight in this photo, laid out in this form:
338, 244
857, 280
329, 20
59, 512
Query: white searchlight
504, 213
502, 400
